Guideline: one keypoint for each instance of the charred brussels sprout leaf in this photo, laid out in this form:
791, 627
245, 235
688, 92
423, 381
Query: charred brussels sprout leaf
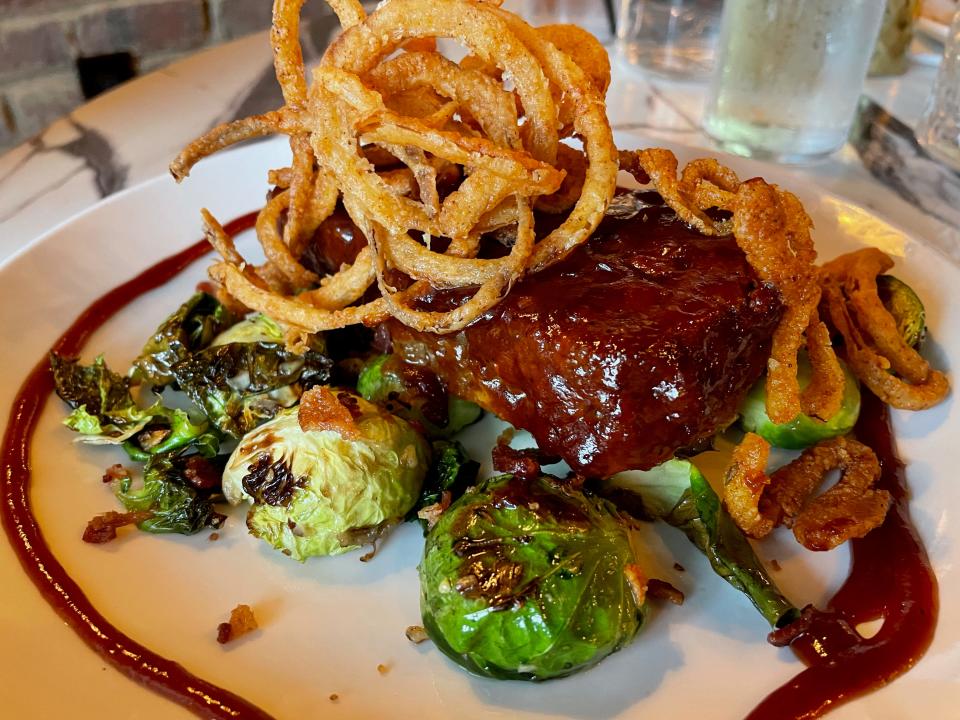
415, 394
169, 431
255, 328
179, 491
241, 385
802, 431
678, 493
905, 306
191, 328
104, 395
524, 579
451, 470
105, 413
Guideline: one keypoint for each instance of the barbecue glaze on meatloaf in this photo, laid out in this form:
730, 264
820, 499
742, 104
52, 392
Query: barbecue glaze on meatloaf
644, 340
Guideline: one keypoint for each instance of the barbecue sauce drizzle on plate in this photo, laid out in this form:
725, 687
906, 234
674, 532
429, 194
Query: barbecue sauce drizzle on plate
891, 576
51, 578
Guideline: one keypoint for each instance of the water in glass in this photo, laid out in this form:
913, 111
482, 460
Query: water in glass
789, 73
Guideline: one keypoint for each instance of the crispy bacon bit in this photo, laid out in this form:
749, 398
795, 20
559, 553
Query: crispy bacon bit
416, 634
807, 622
781, 637
201, 473
206, 286
323, 409
352, 405
151, 438
523, 463
431, 513
115, 472
103, 528
850, 509
638, 582
662, 590
242, 621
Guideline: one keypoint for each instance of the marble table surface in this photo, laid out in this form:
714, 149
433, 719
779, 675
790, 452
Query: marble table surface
131, 133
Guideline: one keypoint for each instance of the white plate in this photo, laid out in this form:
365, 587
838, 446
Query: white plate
327, 624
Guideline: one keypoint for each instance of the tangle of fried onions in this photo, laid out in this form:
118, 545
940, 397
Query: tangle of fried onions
758, 502
876, 352
375, 131
773, 230
386, 117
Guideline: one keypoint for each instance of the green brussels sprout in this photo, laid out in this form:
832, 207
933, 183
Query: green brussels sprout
677, 493
189, 329
451, 471
243, 384
318, 493
524, 579
803, 430
415, 394
179, 490
906, 308
255, 328
105, 413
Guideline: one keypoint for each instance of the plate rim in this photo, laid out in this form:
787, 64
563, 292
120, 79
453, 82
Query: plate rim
144, 185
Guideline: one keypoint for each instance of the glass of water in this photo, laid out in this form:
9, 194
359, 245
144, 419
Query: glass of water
789, 74
672, 38
939, 128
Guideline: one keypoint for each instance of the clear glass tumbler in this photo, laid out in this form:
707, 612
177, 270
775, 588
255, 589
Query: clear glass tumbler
939, 128
789, 73
673, 38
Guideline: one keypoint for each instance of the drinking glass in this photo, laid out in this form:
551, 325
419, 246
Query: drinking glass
789, 73
673, 38
939, 128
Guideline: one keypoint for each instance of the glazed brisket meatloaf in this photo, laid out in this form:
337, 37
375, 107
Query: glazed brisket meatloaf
641, 342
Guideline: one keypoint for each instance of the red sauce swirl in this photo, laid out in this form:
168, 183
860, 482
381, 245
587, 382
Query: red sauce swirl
51, 578
890, 578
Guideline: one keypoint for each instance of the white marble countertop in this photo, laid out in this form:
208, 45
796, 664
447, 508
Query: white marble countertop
131, 133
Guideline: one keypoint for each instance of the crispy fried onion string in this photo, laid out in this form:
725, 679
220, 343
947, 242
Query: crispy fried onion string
414, 147
758, 502
773, 230
873, 346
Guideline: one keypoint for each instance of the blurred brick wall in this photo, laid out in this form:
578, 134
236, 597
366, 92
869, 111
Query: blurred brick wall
41, 41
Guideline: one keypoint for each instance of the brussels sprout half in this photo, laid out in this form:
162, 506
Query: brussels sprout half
524, 579
905, 306
677, 493
315, 492
803, 430
387, 381
254, 328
